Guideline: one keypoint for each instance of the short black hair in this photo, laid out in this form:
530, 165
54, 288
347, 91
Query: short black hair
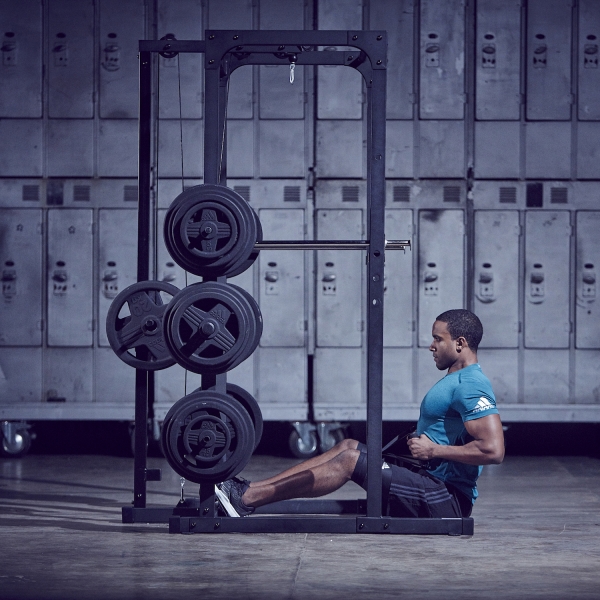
463, 323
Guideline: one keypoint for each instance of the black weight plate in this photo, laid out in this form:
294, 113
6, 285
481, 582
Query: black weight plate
210, 231
240, 266
207, 438
134, 325
212, 327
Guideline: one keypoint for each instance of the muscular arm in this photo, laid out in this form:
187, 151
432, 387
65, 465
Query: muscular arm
486, 449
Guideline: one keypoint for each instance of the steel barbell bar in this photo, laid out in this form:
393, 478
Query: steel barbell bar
328, 245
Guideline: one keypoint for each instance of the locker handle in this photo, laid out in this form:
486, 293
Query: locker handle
271, 276
537, 278
60, 276
110, 276
9, 276
485, 278
170, 277
587, 278
328, 277
429, 277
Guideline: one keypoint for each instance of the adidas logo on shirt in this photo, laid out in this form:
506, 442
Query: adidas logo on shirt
483, 404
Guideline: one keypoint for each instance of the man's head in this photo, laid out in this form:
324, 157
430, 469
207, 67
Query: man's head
456, 336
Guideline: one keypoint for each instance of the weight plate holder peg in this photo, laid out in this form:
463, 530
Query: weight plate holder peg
210, 231
212, 327
134, 325
252, 407
207, 437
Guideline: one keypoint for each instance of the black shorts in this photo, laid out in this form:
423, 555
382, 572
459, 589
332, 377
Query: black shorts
408, 493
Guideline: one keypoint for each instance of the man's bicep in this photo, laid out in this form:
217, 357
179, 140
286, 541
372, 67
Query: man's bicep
487, 432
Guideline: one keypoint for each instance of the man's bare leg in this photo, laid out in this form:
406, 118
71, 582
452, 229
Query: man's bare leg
316, 478
311, 463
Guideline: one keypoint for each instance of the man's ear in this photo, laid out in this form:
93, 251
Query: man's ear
461, 343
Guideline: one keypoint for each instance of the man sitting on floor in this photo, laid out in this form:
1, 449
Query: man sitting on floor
458, 431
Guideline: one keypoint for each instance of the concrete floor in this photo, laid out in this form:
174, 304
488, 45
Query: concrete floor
537, 535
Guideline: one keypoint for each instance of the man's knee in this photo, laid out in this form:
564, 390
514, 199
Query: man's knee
348, 459
347, 444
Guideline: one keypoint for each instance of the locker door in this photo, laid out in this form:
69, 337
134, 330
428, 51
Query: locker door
587, 289
70, 277
121, 26
397, 17
281, 288
398, 291
21, 66
589, 70
498, 57
71, 59
184, 72
117, 259
21, 264
442, 59
496, 282
549, 60
547, 293
441, 266
339, 89
339, 281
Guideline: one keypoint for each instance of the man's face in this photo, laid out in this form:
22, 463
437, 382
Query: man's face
443, 346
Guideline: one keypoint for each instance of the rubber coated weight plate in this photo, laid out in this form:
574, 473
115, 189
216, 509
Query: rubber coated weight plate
248, 401
134, 325
207, 437
212, 327
242, 265
210, 230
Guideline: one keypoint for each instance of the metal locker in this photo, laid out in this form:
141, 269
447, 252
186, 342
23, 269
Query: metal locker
397, 18
275, 14
398, 289
501, 367
339, 281
545, 160
547, 284
118, 148
121, 27
587, 287
70, 59
496, 280
240, 148
70, 321
20, 377
180, 77
548, 71
114, 381
399, 161
70, 145
497, 60
340, 386
21, 65
588, 68
497, 149
332, 137
442, 149
21, 264
397, 384
117, 259
546, 377
281, 280
442, 60
441, 266
68, 375
588, 150
339, 89
172, 158
282, 149
25, 157
587, 377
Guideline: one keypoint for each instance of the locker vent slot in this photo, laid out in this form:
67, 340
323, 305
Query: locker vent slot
291, 193
130, 193
559, 195
401, 193
81, 193
451, 193
243, 191
31, 193
508, 195
350, 193
535, 195
55, 193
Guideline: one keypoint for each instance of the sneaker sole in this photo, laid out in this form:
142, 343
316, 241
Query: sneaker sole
224, 500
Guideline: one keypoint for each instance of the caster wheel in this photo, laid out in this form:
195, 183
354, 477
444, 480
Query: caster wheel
17, 447
300, 448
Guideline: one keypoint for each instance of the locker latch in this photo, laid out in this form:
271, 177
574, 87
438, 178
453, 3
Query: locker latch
60, 51
111, 55
271, 279
537, 290
488, 52
110, 279
485, 292
540, 52
9, 283
329, 281
432, 52
590, 54
60, 278
430, 281
9, 49
588, 283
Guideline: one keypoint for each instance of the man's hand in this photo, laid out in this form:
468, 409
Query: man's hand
422, 447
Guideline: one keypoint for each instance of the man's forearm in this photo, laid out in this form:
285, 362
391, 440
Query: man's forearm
473, 453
